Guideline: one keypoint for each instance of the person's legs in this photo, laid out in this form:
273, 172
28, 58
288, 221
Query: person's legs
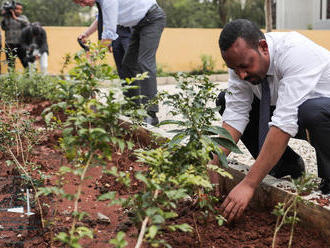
149, 41
120, 46
11, 54
43, 63
21, 53
290, 162
130, 66
141, 55
314, 116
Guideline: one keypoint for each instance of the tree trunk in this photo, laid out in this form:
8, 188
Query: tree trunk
268, 15
222, 10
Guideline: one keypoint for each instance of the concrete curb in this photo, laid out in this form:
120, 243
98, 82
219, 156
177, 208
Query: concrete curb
171, 80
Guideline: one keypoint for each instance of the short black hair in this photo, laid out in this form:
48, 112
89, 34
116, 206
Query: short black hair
18, 3
36, 28
240, 28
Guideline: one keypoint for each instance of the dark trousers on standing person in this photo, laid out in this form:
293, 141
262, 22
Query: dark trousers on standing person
141, 55
314, 126
13, 51
120, 46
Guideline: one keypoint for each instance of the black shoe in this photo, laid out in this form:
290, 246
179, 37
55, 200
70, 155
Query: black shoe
295, 170
325, 186
151, 120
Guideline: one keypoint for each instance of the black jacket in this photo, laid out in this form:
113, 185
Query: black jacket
27, 39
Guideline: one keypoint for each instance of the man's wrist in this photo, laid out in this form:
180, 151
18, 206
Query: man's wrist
249, 182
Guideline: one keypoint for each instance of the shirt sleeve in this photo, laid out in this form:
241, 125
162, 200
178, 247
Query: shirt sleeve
24, 20
110, 10
301, 67
238, 102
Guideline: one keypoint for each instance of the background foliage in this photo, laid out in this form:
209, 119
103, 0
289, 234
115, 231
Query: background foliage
180, 13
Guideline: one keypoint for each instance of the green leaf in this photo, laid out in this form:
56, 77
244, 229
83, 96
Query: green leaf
65, 169
183, 227
177, 139
172, 122
229, 144
152, 231
219, 131
84, 232
176, 194
107, 196
48, 117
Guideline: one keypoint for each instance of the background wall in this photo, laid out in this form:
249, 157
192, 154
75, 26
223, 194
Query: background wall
180, 49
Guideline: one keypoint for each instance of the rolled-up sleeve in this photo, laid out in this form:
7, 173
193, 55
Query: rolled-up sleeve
110, 10
296, 86
238, 103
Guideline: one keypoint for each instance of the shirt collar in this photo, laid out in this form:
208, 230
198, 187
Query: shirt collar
270, 44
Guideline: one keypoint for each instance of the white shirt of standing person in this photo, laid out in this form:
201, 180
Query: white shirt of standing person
299, 70
127, 13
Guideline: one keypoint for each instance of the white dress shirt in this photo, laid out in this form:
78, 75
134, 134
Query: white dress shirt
127, 13
299, 70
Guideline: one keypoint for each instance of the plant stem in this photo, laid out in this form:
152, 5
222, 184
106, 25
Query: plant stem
82, 177
30, 179
289, 205
144, 226
196, 227
293, 221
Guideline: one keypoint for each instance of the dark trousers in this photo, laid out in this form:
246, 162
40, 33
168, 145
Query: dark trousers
141, 55
120, 46
13, 51
313, 116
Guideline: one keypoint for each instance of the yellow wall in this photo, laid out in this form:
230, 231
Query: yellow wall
180, 48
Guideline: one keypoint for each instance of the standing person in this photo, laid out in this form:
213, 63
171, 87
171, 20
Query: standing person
280, 88
147, 20
34, 41
119, 46
13, 24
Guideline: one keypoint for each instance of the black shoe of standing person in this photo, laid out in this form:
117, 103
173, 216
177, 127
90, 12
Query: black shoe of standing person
295, 169
325, 186
151, 119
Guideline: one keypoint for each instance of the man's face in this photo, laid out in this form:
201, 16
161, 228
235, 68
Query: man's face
18, 10
248, 63
89, 3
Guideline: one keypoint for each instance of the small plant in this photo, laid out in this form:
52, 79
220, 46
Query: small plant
287, 211
179, 170
208, 63
92, 130
119, 241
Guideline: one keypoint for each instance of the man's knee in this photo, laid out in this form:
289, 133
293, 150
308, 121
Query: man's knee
314, 112
221, 102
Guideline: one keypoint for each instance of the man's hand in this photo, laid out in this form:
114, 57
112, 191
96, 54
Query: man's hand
237, 200
107, 43
13, 14
83, 37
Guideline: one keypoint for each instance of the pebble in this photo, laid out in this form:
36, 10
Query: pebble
103, 218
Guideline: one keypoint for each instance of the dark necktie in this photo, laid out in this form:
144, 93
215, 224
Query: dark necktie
264, 112
99, 21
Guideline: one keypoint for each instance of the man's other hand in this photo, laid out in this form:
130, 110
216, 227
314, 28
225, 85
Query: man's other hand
107, 43
237, 200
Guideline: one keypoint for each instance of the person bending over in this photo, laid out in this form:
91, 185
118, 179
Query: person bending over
280, 89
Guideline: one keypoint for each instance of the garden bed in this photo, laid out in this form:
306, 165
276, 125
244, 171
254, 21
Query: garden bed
255, 229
